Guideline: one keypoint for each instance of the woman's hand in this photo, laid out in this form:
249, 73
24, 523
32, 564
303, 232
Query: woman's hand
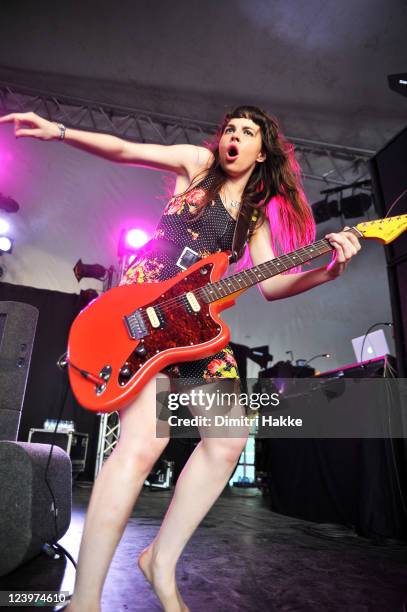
346, 246
30, 124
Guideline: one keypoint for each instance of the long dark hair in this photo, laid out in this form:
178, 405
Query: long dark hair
274, 187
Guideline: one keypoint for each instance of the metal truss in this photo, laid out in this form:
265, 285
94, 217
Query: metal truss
331, 163
320, 161
109, 433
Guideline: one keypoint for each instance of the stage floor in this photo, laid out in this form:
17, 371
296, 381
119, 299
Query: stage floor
242, 557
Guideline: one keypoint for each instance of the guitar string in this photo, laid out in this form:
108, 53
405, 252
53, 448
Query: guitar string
201, 290
316, 245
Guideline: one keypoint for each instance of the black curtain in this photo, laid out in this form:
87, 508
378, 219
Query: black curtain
47, 384
361, 483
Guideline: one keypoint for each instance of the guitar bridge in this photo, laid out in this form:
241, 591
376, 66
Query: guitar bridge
135, 325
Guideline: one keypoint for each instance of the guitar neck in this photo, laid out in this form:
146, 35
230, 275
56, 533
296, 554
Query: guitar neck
236, 283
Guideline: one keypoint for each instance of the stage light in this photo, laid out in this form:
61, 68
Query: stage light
131, 240
325, 210
86, 296
8, 204
6, 244
136, 238
355, 205
351, 207
4, 226
82, 270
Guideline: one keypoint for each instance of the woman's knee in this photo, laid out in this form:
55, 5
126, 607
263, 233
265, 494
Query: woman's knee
224, 449
142, 453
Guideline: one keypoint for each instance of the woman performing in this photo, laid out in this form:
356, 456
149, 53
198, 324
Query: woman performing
251, 166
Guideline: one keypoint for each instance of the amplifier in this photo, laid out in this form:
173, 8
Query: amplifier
33, 511
75, 444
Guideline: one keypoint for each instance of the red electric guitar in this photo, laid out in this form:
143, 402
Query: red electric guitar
130, 333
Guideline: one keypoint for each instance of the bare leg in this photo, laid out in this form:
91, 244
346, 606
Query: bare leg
113, 496
199, 485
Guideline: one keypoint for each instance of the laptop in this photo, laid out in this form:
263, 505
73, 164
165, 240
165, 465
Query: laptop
374, 345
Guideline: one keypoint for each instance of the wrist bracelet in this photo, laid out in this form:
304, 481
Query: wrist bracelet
62, 130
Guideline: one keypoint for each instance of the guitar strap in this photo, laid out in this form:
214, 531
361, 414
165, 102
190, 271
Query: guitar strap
243, 229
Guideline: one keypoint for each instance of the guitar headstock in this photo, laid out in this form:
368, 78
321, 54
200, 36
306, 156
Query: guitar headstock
384, 230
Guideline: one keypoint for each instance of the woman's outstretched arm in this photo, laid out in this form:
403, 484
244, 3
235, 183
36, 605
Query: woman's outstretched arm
345, 244
182, 159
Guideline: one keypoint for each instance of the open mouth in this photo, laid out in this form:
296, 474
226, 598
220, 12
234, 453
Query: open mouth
232, 152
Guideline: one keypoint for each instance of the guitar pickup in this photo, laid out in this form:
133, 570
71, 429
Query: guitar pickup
191, 303
155, 316
135, 325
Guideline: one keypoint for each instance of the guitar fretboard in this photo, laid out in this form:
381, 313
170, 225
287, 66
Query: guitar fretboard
251, 276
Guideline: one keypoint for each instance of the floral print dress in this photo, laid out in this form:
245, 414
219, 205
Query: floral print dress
212, 232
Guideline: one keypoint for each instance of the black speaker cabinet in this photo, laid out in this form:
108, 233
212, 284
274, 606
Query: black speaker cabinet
27, 516
17, 330
388, 172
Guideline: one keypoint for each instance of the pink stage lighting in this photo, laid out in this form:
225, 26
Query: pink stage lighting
131, 240
6, 244
4, 226
135, 238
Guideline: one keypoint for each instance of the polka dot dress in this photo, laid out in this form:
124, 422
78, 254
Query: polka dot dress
212, 232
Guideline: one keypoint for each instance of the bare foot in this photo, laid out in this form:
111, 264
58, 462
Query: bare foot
165, 588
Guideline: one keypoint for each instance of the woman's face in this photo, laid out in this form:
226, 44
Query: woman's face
240, 146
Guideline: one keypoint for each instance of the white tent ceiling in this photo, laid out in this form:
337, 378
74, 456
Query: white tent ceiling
320, 66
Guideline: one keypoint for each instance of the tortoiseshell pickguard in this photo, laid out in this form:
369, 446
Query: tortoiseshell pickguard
182, 328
